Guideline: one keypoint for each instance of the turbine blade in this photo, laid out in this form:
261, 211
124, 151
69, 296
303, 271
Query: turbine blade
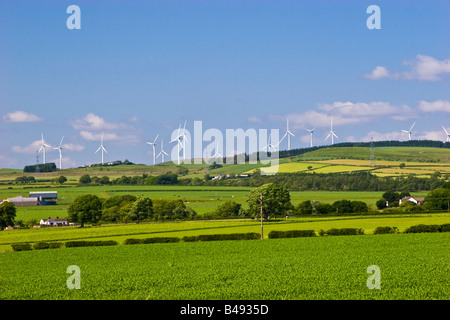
412, 126
328, 136
335, 135
445, 130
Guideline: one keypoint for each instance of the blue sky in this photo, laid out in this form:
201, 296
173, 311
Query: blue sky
136, 69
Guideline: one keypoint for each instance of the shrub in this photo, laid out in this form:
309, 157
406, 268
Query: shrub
218, 237
160, 240
47, 245
132, 241
428, 228
344, 232
385, 230
21, 246
291, 234
72, 244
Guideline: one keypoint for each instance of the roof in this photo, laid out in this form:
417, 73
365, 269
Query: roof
415, 198
22, 199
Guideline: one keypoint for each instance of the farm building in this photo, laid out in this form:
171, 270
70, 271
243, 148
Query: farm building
415, 200
45, 197
21, 201
54, 222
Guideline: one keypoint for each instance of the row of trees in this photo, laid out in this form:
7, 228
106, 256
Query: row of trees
127, 208
354, 181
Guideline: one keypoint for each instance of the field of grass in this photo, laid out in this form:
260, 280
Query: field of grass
201, 199
120, 232
412, 266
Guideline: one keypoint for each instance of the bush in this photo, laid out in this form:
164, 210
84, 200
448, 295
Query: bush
21, 246
385, 230
428, 228
132, 241
218, 237
344, 232
72, 244
47, 245
291, 234
160, 240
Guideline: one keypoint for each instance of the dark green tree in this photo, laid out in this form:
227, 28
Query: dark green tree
85, 179
7, 214
84, 209
141, 209
304, 207
275, 200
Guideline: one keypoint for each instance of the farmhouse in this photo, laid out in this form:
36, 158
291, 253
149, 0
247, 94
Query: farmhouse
415, 200
54, 222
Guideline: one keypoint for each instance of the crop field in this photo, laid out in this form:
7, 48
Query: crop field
412, 266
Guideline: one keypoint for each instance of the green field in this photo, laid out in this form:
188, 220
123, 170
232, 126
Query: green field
201, 199
412, 266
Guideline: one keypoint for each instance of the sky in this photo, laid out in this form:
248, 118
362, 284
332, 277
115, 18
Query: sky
138, 69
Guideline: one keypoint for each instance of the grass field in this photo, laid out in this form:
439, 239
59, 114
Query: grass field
120, 232
412, 266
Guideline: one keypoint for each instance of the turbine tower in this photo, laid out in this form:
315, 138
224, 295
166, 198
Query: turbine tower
102, 148
409, 132
162, 153
311, 131
448, 134
177, 139
153, 144
332, 134
60, 152
288, 133
43, 146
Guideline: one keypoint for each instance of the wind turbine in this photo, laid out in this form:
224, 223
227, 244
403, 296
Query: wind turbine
162, 153
153, 144
311, 131
288, 134
178, 140
217, 154
102, 147
409, 132
332, 134
60, 152
269, 145
43, 146
448, 134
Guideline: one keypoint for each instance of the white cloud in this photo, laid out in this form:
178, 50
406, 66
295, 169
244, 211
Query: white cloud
87, 135
6, 162
423, 68
93, 122
254, 119
20, 116
73, 147
435, 106
29, 149
378, 73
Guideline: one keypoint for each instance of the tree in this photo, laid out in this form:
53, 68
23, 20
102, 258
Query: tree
275, 200
62, 179
7, 214
85, 179
85, 208
229, 209
141, 209
438, 199
381, 204
304, 207
402, 165
359, 206
343, 206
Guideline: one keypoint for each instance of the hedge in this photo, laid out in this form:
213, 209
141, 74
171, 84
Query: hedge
218, 237
428, 228
47, 245
160, 240
343, 232
291, 234
21, 246
385, 230
82, 243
